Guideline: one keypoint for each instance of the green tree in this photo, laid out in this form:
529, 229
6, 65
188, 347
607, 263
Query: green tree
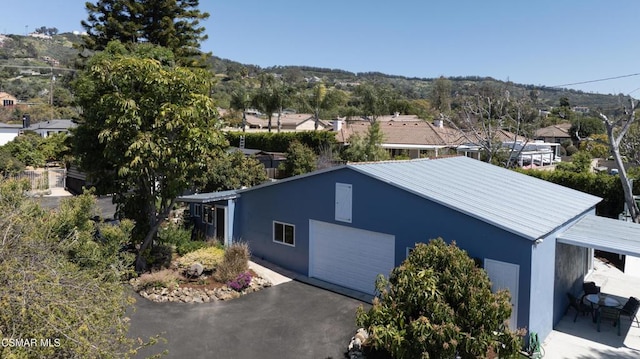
374, 100
9, 165
437, 304
367, 148
300, 159
240, 101
146, 132
618, 127
267, 98
630, 146
580, 163
59, 283
583, 127
597, 145
441, 95
25, 149
321, 101
55, 147
231, 171
174, 24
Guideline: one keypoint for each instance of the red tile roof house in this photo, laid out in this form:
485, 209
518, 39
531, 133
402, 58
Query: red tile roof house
554, 133
416, 137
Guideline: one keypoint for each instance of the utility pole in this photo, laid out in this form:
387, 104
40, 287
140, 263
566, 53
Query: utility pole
51, 94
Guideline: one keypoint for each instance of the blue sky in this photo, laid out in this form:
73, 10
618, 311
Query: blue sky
542, 42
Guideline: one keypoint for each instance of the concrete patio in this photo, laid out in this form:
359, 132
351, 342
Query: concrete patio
581, 340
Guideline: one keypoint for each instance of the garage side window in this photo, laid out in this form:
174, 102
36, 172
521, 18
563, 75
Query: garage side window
284, 233
343, 202
197, 210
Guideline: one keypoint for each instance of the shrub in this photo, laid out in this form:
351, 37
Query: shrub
210, 258
438, 304
571, 150
235, 262
165, 278
179, 238
190, 246
158, 256
242, 281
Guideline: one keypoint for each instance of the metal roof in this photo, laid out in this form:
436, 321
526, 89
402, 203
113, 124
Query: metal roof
515, 202
209, 196
605, 234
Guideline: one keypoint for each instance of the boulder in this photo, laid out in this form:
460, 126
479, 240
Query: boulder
195, 270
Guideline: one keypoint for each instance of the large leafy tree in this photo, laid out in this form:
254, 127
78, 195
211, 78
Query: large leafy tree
437, 304
231, 170
146, 131
59, 283
174, 24
300, 159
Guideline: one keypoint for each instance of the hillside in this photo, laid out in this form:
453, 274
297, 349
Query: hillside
26, 64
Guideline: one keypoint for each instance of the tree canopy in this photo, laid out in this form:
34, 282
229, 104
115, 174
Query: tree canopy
61, 286
146, 132
174, 24
437, 304
366, 148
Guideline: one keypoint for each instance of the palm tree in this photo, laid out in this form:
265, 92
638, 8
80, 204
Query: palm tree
265, 98
240, 101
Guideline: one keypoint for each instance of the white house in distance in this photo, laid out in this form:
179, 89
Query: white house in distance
46, 128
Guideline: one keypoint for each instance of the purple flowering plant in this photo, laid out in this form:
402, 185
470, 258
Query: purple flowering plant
241, 282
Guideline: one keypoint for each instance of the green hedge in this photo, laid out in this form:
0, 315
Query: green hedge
602, 185
279, 142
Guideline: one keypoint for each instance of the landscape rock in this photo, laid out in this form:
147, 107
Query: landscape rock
196, 295
355, 345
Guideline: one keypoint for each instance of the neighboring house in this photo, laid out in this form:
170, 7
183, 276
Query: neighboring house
554, 133
415, 137
8, 132
47, 128
7, 100
347, 224
288, 122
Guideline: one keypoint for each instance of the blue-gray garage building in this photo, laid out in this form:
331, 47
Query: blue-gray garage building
347, 224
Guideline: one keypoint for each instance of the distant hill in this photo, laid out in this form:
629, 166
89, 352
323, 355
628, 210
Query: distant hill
31, 60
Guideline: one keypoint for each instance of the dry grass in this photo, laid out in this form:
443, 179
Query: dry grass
165, 278
235, 261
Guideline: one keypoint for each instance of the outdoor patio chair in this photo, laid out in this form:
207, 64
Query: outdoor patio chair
609, 313
578, 306
590, 288
630, 309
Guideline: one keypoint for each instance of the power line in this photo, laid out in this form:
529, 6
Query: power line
598, 80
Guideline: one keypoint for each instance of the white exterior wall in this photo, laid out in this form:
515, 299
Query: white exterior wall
8, 134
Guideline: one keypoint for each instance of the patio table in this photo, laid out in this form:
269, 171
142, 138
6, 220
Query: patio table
602, 300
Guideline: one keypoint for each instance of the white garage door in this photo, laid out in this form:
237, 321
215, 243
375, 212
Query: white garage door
349, 257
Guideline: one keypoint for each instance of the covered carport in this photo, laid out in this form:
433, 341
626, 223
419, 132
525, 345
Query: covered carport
604, 234
574, 254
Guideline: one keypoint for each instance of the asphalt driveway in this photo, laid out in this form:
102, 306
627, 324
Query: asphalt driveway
290, 320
